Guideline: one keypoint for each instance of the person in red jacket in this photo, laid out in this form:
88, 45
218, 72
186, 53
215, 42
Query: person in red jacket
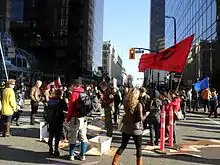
77, 125
175, 103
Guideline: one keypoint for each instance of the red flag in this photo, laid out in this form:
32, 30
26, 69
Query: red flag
172, 59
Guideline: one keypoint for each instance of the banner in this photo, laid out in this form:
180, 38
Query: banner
200, 85
172, 59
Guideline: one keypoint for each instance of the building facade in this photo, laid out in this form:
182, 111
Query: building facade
68, 34
112, 62
97, 35
199, 18
5, 14
157, 26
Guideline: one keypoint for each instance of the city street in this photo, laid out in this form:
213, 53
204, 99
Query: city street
24, 146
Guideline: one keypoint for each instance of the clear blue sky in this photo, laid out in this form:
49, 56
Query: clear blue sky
126, 24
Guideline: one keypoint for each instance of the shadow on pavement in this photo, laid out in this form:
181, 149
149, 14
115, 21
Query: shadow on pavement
10, 154
25, 132
186, 158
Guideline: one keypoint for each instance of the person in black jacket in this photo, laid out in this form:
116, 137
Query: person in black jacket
55, 118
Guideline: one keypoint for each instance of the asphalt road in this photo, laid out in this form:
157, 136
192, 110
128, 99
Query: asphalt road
24, 148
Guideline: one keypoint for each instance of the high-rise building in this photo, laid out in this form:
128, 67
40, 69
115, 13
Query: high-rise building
199, 18
97, 35
68, 34
157, 26
112, 62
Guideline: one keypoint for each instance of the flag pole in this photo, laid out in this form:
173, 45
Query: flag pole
3, 61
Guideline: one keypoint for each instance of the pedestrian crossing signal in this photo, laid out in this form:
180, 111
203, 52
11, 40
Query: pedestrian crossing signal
132, 54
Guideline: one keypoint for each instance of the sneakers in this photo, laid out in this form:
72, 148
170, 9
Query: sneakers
77, 157
72, 158
56, 153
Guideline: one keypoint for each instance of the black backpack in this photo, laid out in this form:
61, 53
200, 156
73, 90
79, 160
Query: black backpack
84, 105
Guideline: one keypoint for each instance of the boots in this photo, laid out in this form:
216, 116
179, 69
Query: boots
116, 159
7, 129
56, 152
139, 161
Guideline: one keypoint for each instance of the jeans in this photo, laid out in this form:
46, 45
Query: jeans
154, 131
34, 109
6, 120
195, 104
174, 130
213, 110
108, 122
54, 131
206, 104
189, 103
137, 141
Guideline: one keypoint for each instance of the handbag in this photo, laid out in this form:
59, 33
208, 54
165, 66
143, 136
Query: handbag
179, 115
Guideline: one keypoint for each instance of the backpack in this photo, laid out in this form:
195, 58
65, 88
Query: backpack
95, 103
155, 111
84, 105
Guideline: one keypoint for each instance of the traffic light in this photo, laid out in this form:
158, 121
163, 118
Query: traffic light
132, 54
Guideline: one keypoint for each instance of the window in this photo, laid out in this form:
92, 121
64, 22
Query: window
213, 12
19, 62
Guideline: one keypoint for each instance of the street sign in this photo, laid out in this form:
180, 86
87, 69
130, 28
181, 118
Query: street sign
11, 52
139, 51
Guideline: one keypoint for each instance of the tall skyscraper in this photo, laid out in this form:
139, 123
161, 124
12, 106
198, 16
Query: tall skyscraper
199, 18
157, 18
68, 34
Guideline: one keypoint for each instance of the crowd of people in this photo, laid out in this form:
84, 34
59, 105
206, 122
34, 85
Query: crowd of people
71, 107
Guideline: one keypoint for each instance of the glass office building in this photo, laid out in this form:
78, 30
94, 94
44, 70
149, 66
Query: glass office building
97, 34
197, 17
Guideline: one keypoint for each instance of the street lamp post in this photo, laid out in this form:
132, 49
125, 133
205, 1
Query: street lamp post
174, 28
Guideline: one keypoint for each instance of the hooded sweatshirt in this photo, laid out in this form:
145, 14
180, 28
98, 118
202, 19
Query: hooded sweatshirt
72, 111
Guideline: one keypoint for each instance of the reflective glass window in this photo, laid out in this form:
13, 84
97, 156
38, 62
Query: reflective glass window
213, 12
209, 15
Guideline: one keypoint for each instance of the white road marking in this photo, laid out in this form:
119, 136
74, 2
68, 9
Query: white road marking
213, 121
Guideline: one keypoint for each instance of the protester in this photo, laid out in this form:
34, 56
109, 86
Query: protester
8, 106
154, 118
132, 125
175, 103
206, 94
117, 102
35, 95
56, 107
108, 105
77, 124
189, 99
213, 103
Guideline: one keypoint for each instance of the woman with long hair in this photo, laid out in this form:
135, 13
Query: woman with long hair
132, 125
